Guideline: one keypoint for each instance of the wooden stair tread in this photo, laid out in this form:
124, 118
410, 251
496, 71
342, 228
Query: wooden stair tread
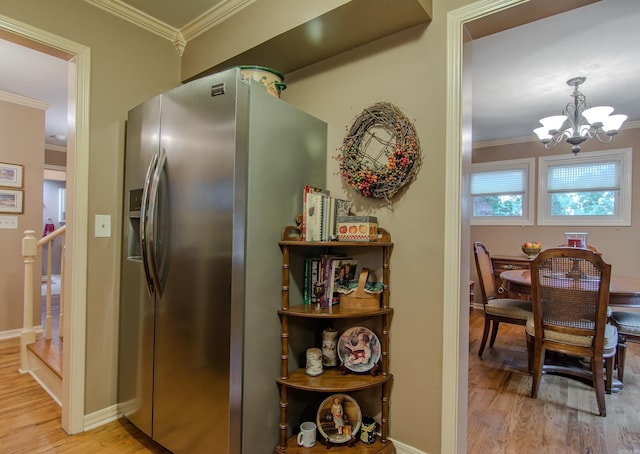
49, 352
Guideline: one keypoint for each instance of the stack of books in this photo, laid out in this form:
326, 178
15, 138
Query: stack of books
333, 272
319, 214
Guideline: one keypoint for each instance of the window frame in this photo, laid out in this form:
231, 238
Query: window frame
623, 206
527, 218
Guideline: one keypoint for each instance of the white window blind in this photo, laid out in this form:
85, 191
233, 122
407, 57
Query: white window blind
568, 184
597, 176
495, 182
502, 192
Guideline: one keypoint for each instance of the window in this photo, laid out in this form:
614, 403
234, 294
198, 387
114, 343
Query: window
589, 189
502, 192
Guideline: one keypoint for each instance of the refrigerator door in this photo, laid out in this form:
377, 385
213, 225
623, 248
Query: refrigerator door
137, 302
191, 387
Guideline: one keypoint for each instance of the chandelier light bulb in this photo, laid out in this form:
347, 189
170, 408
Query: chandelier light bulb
596, 115
582, 122
612, 123
543, 134
554, 122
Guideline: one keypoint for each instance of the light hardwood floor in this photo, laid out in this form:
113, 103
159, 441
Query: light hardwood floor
30, 419
502, 418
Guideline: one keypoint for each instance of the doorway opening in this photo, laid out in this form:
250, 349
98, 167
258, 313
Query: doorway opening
77, 61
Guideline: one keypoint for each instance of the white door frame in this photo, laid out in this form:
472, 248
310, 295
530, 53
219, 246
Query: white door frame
455, 361
73, 369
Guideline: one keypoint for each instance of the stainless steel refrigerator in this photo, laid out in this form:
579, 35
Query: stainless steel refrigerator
213, 170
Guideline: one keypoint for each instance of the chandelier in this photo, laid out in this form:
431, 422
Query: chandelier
582, 122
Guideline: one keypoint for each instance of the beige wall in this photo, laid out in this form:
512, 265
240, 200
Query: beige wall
22, 132
128, 66
407, 69
397, 70
619, 245
55, 158
248, 28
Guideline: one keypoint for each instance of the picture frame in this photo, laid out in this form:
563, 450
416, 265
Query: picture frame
11, 175
11, 201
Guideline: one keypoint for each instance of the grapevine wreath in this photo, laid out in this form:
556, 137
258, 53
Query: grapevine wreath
380, 153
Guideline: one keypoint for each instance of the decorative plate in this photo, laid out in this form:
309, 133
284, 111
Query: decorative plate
339, 418
359, 349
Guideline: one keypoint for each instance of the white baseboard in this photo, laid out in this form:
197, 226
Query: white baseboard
10, 334
402, 448
106, 415
101, 417
13, 333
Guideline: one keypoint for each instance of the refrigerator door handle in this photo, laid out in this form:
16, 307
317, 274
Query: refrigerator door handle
151, 221
144, 210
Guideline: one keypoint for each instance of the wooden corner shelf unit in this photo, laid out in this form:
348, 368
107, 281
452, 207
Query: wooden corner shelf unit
332, 380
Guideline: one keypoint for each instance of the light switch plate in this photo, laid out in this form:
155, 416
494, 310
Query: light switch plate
8, 222
103, 226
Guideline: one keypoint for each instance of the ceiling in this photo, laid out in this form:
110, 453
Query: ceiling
38, 76
519, 75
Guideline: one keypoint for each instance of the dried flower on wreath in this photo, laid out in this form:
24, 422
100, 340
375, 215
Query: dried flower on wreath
380, 153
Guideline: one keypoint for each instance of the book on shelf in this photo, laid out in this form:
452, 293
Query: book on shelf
326, 262
340, 207
307, 290
308, 189
315, 216
325, 215
320, 212
343, 270
314, 277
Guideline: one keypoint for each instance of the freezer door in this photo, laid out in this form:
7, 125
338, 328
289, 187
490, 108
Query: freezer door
191, 388
137, 304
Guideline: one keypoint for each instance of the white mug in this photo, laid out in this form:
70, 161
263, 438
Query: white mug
307, 434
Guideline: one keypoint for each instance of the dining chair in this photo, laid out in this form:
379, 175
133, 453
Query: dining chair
628, 324
496, 310
570, 295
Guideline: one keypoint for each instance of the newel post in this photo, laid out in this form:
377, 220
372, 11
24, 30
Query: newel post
27, 334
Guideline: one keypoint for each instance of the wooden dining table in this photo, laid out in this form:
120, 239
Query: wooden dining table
623, 291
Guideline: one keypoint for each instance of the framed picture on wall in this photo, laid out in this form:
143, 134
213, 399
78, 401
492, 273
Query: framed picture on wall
10, 201
10, 175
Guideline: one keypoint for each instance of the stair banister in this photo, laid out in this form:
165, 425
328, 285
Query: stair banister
30, 245
27, 334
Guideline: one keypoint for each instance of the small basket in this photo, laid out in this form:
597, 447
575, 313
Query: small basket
359, 299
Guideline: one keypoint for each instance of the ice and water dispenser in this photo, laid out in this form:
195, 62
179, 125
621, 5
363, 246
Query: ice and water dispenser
133, 225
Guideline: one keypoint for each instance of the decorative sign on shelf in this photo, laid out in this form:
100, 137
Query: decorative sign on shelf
380, 153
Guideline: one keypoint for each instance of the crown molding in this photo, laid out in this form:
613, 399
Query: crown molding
142, 20
53, 147
213, 17
23, 100
136, 17
534, 138
178, 37
509, 141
